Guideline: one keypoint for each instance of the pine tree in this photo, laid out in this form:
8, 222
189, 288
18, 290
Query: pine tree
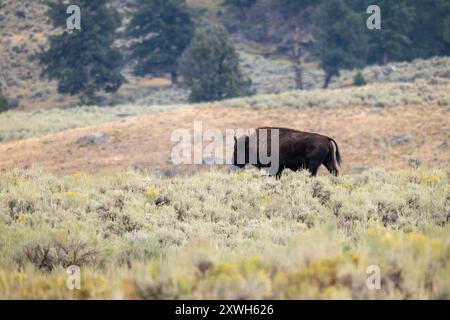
84, 61
358, 79
162, 29
340, 38
430, 35
392, 42
210, 67
3, 101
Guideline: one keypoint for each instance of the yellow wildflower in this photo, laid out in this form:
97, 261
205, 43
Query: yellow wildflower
152, 193
225, 268
21, 218
430, 179
81, 176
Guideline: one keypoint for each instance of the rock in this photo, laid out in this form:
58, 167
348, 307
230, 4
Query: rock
400, 139
443, 145
359, 170
125, 115
212, 160
379, 105
169, 173
235, 169
13, 103
93, 139
21, 14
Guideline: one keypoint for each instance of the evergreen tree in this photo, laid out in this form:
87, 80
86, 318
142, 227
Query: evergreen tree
210, 67
84, 61
392, 42
358, 79
340, 38
431, 29
3, 101
162, 29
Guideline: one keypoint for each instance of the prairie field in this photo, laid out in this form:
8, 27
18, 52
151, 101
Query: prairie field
140, 227
387, 125
225, 236
93, 204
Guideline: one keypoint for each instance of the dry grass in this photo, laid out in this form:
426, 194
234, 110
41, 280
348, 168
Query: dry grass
219, 236
23, 124
367, 137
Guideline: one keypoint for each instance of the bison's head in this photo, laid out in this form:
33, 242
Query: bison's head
240, 153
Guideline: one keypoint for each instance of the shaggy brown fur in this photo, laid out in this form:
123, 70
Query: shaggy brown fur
298, 150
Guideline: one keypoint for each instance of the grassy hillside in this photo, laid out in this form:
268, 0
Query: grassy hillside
24, 124
392, 138
392, 124
26, 30
219, 235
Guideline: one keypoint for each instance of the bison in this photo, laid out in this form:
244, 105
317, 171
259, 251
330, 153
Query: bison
296, 150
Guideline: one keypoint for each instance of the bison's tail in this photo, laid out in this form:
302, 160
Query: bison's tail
336, 151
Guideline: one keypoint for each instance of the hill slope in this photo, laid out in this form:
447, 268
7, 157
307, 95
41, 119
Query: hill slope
382, 125
376, 138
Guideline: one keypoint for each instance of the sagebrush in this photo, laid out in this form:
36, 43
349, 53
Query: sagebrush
224, 235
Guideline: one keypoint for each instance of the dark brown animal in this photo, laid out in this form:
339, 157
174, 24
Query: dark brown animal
297, 150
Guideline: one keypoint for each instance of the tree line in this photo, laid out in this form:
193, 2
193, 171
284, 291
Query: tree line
164, 38
409, 29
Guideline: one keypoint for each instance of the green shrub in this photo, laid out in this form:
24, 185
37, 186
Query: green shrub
358, 79
210, 67
225, 236
3, 102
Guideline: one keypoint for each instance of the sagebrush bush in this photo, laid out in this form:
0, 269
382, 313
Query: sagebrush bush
220, 235
3, 102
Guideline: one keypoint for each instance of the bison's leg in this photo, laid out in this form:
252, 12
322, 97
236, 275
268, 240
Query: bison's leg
331, 166
316, 158
313, 167
278, 175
